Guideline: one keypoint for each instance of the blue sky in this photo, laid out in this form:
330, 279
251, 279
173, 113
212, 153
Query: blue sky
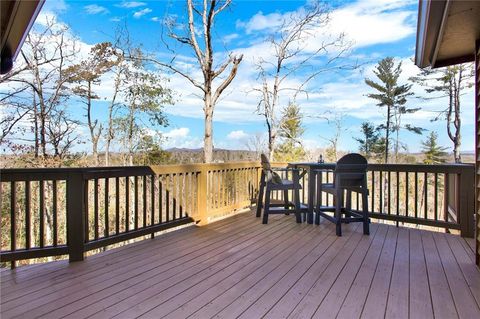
377, 28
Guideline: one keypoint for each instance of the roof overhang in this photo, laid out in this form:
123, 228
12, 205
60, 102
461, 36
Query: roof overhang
16, 19
446, 32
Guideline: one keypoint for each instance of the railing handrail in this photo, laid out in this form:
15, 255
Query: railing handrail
429, 168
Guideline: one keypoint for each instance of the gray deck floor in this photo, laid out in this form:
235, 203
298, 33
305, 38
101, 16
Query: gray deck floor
240, 268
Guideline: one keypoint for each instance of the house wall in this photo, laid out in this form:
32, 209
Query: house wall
477, 141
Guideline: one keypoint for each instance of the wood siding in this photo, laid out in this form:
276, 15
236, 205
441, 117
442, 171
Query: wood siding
477, 138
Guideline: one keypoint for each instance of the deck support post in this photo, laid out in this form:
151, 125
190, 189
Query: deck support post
75, 216
202, 188
467, 202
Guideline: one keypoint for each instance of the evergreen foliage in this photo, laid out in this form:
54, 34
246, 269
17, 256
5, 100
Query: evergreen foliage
291, 131
392, 95
434, 153
372, 146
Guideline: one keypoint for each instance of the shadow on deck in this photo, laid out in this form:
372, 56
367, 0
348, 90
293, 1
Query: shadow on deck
240, 268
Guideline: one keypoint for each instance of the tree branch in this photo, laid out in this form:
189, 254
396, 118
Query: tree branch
235, 63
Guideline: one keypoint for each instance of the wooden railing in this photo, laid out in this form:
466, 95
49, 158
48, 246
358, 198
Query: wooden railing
433, 195
50, 212
441, 196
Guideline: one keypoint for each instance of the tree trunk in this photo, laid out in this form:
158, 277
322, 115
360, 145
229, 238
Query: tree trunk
130, 136
456, 150
42, 114
92, 125
387, 135
271, 147
208, 137
43, 134
35, 121
110, 133
398, 123
457, 122
109, 136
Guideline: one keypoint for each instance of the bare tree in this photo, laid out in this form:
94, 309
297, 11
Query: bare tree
257, 143
118, 71
38, 81
144, 98
13, 112
62, 133
449, 82
86, 74
293, 55
337, 122
197, 35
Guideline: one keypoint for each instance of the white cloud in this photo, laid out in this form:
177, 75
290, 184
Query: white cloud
365, 22
237, 135
57, 6
177, 133
230, 37
115, 19
156, 19
261, 22
95, 9
141, 13
131, 4
181, 138
365, 27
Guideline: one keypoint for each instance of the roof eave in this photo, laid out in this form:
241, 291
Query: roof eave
431, 21
19, 23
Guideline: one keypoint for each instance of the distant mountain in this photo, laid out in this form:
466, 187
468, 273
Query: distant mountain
195, 155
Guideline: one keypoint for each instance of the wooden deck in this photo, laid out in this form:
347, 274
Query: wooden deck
240, 268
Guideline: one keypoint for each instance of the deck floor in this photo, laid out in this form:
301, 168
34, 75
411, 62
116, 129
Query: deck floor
240, 268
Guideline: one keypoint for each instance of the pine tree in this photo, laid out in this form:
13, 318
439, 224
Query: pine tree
291, 131
434, 153
393, 96
371, 144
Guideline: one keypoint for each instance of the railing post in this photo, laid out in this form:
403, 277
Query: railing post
202, 214
258, 180
466, 189
75, 215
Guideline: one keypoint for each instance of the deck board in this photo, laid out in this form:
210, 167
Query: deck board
377, 299
397, 305
442, 299
110, 271
462, 295
332, 302
136, 279
335, 263
420, 301
238, 267
353, 303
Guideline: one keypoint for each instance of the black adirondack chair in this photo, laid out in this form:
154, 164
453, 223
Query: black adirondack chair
350, 175
271, 181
